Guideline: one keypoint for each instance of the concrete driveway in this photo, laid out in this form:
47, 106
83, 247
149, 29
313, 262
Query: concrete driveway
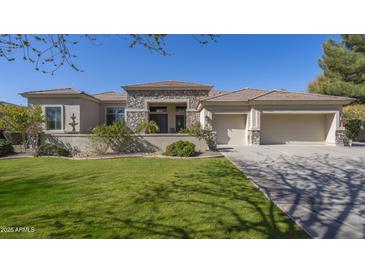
322, 188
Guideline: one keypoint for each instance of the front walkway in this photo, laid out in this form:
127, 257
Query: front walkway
322, 188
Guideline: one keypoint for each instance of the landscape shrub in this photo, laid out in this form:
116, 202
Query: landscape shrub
352, 129
146, 127
52, 150
201, 133
181, 149
6, 147
116, 136
14, 137
99, 145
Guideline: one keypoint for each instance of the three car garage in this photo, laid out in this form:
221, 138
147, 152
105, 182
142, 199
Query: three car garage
269, 117
283, 128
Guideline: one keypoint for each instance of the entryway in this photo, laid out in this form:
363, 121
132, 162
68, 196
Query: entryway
161, 120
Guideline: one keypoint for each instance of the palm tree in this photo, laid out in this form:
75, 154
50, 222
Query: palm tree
147, 127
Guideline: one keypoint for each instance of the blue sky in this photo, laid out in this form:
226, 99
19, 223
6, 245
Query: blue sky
233, 62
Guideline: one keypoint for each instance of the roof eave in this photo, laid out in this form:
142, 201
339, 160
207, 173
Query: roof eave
299, 102
153, 88
113, 101
48, 95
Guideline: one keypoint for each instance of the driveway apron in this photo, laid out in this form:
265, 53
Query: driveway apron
321, 188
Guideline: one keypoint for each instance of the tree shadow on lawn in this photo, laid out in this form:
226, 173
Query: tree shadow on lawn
214, 200
218, 194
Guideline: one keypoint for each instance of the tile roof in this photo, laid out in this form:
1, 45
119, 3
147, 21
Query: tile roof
111, 96
239, 95
215, 92
299, 96
59, 91
250, 94
169, 84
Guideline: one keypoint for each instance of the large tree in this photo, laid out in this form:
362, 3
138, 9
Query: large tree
343, 65
49, 52
26, 121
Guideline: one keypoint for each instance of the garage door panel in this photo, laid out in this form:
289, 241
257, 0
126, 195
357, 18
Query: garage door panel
292, 128
230, 128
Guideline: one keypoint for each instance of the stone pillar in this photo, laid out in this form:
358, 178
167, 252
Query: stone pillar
212, 142
191, 118
253, 137
134, 118
340, 137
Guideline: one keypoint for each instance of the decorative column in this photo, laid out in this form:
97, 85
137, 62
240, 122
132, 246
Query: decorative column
253, 127
192, 116
253, 137
135, 117
340, 137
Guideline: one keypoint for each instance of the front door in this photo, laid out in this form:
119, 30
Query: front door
161, 120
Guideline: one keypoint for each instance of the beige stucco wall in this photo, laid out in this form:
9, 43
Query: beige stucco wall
86, 112
330, 128
160, 141
293, 128
206, 114
89, 115
68, 107
171, 116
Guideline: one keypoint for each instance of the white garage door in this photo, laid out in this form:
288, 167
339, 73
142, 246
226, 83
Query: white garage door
230, 128
293, 128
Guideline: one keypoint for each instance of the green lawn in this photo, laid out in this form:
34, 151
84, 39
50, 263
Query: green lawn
135, 198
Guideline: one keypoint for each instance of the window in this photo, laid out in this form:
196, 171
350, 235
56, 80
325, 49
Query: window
180, 109
53, 117
114, 114
158, 109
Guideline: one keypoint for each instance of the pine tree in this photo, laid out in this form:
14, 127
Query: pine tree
343, 65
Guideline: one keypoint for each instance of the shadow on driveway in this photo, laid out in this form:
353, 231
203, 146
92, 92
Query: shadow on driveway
322, 188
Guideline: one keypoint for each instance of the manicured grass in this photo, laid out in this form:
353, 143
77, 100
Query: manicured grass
135, 198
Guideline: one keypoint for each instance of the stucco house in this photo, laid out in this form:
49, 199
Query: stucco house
243, 117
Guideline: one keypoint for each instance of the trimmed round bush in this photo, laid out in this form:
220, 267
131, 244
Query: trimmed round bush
6, 147
52, 150
181, 149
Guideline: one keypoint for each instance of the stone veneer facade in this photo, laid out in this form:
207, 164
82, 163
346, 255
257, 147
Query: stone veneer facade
253, 137
137, 103
340, 137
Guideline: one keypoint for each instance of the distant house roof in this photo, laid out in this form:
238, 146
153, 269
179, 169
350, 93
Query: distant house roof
11, 104
111, 96
249, 94
168, 85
